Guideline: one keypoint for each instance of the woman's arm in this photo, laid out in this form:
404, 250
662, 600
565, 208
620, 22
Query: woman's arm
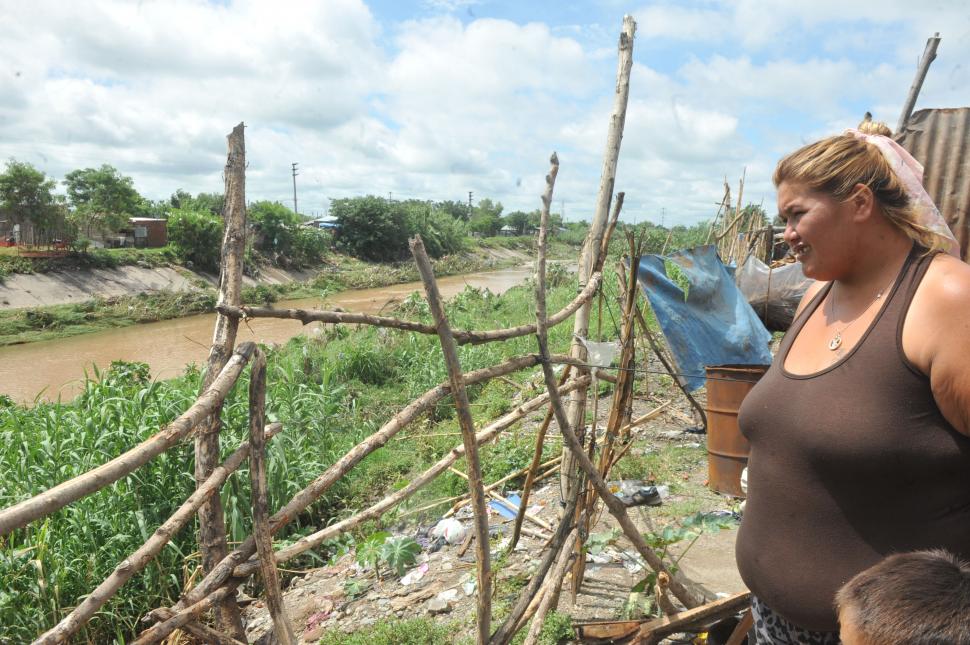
936, 337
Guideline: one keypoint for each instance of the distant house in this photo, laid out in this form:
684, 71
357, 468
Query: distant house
508, 231
327, 222
146, 232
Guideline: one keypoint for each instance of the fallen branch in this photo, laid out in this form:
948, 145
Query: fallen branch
307, 316
56, 498
654, 630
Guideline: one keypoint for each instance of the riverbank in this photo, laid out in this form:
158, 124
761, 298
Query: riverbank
57, 304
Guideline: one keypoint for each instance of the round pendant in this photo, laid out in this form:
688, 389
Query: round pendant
836, 342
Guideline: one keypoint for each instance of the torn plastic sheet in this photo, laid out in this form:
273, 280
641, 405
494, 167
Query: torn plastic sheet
600, 354
774, 293
713, 325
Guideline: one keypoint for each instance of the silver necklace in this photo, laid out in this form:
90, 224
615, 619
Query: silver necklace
836, 341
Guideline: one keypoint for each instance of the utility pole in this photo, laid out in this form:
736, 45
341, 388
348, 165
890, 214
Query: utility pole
663, 217
390, 196
563, 213
469, 204
295, 173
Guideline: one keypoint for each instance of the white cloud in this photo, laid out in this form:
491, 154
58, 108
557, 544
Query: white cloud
435, 107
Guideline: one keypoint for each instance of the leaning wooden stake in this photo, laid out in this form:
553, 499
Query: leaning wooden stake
460, 396
530, 477
594, 241
257, 477
212, 524
152, 547
550, 593
929, 55
614, 505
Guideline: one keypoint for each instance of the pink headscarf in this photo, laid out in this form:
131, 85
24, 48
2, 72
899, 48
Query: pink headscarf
910, 173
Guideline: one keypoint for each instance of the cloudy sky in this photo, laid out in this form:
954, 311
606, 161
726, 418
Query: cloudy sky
431, 99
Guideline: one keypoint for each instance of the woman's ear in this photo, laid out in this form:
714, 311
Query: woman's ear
862, 201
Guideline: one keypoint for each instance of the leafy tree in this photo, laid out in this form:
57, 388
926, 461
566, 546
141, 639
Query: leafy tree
274, 226
518, 220
486, 217
27, 195
457, 209
211, 202
442, 234
371, 228
102, 198
196, 236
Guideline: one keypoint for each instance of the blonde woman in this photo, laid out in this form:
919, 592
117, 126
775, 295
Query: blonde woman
860, 430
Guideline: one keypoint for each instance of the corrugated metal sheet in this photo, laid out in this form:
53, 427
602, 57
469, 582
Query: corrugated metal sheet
940, 140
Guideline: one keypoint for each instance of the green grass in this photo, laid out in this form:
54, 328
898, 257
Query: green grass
329, 392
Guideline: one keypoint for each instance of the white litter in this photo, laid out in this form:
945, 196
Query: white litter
451, 530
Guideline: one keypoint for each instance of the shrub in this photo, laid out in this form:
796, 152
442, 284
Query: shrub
371, 228
196, 236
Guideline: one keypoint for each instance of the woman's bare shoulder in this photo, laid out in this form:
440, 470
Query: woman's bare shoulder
810, 293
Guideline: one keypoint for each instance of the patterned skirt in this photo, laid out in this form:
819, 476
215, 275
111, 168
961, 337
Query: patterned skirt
771, 629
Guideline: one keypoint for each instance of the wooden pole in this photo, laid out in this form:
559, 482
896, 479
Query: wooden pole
282, 628
562, 542
552, 464
929, 55
53, 499
151, 548
177, 620
530, 477
506, 503
212, 525
593, 248
301, 500
549, 593
487, 433
461, 337
460, 396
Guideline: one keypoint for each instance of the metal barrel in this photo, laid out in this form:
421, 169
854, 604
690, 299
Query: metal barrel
727, 449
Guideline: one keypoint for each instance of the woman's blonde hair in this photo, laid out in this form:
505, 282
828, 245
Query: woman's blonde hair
837, 164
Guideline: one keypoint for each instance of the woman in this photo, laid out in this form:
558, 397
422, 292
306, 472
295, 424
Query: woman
860, 430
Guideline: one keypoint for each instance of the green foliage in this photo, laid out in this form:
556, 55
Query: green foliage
273, 226
371, 228
370, 550
400, 553
196, 236
441, 233
417, 631
486, 217
48, 566
27, 195
211, 202
102, 199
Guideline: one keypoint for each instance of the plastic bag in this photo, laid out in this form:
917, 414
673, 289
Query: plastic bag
774, 294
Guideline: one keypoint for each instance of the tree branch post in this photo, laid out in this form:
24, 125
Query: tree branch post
592, 249
257, 476
929, 55
212, 525
476, 489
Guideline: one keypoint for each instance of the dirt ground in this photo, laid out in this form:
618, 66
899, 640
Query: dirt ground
342, 597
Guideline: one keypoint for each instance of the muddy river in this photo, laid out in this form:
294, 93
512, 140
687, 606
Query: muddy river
56, 368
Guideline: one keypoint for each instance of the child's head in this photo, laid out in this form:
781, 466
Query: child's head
919, 598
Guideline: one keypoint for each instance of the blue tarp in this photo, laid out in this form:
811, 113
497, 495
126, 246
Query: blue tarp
715, 325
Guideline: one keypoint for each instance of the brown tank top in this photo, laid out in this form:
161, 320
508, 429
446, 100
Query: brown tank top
848, 465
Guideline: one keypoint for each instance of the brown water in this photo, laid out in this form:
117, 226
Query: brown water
56, 368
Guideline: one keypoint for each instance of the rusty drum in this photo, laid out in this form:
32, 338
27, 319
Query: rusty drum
727, 449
